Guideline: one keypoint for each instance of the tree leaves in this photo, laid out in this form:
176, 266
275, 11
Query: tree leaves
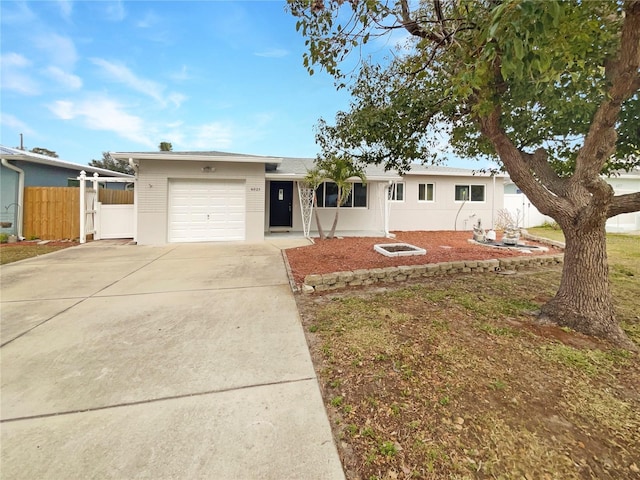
541, 62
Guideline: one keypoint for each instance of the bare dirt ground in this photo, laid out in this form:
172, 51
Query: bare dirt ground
12, 252
453, 377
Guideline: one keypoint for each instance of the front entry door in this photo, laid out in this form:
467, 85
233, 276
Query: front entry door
281, 204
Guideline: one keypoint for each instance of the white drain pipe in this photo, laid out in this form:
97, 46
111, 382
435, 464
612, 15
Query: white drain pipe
19, 218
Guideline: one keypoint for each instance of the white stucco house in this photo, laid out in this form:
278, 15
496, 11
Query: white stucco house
218, 196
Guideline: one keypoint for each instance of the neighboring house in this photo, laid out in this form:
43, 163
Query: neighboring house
218, 196
623, 182
20, 169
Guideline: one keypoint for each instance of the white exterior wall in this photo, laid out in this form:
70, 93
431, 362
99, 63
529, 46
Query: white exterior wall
410, 214
527, 214
369, 219
153, 191
627, 222
440, 214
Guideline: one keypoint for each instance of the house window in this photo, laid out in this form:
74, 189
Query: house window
426, 192
396, 192
327, 195
470, 193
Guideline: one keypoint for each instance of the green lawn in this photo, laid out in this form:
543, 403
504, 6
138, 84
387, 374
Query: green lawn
452, 377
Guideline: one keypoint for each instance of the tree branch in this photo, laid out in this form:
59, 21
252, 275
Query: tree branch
519, 170
624, 204
412, 25
539, 163
600, 142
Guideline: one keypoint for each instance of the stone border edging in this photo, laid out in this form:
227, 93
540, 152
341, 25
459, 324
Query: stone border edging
548, 241
333, 281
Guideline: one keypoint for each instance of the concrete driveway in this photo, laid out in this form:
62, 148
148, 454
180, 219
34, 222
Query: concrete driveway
180, 361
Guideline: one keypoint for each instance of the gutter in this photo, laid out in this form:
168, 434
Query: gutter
19, 218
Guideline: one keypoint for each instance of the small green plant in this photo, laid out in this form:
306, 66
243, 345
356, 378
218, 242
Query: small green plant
368, 432
4, 238
335, 383
347, 409
590, 362
395, 409
388, 449
352, 428
326, 350
498, 331
314, 328
444, 401
498, 385
550, 225
337, 401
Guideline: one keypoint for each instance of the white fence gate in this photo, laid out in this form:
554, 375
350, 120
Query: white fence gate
114, 221
521, 208
104, 221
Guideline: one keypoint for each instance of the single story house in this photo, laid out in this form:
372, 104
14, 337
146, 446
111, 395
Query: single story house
218, 196
529, 216
20, 169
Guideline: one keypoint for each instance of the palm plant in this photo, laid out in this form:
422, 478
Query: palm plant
313, 179
340, 170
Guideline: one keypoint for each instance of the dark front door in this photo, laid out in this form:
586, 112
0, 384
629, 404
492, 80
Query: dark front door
281, 205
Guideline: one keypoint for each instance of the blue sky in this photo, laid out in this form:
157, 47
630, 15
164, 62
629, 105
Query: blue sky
84, 77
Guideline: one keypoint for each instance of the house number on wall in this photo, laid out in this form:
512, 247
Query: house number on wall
254, 189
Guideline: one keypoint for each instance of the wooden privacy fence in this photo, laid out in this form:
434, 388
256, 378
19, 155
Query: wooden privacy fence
115, 197
53, 213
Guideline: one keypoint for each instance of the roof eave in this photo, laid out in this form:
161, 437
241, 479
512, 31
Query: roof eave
54, 162
194, 157
297, 176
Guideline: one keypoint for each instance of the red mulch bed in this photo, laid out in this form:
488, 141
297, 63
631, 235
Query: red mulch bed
353, 253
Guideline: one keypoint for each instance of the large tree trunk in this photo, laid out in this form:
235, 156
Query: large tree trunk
583, 301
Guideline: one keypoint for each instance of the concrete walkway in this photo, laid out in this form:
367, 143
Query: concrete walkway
180, 361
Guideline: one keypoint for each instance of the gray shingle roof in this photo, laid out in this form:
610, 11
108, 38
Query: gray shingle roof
300, 166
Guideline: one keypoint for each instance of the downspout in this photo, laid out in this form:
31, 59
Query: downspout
136, 168
20, 195
493, 202
387, 209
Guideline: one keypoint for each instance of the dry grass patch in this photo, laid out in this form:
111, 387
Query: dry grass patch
453, 378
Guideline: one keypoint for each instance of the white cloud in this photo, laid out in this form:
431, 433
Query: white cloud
149, 20
212, 136
115, 11
13, 59
124, 75
17, 13
66, 79
182, 75
60, 50
15, 76
263, 118
66, 8
272, 53
176, 98
11, 121
101, 113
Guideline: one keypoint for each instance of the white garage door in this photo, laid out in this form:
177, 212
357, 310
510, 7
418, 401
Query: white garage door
205, 211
